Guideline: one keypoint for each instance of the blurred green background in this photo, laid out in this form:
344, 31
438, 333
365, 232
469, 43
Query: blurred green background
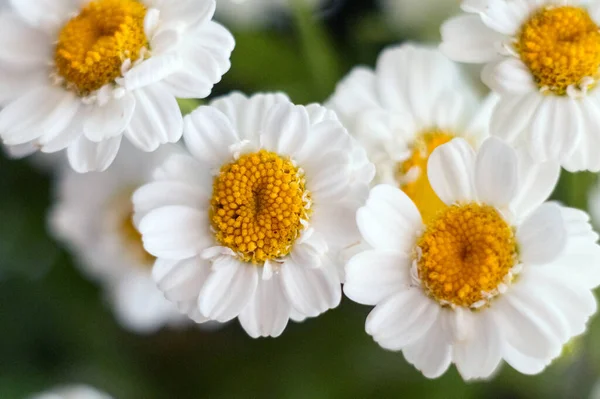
56, 329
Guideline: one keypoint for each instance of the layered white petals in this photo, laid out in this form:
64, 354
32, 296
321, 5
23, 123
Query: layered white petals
389, 220
189, 55
555, 124
450, 171
542, 303
173, 214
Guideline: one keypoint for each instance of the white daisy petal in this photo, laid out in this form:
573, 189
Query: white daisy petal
163, 193
355, 93
496, 178
209, 135
42, 111
513, 115
555, 130
156, 119
372, 276
20, 44
174, 232
432, 353
152, 71
510, 76
525, 330
181, 280
545, 222
450, 171
86, 156
285, 129
109, 120
228, 290
310, 291
401, 319
465, 38
268, 312
536, 183
43, 14
480, 354
523, 363
389, 220
584, 158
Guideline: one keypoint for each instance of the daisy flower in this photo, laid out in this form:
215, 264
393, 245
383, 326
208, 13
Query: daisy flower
498, 274
93, 216
81, 74
252, 224
72, 392
414, 100
543, 58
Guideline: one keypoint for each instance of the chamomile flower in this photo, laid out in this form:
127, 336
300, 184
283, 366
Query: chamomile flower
543, 58
81, 74
498, 274
72, 392
252, 224
414, 100
93, 216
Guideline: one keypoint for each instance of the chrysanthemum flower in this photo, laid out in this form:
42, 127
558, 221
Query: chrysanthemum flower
414, 100
498, 274
72, 392
93, 216
543, 58
82, 74
252, 225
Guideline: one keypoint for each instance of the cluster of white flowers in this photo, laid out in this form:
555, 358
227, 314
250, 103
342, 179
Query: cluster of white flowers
425, 200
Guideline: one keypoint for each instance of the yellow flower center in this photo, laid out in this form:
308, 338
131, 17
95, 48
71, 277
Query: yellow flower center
132, 240
465, 254
561, 47
417, 187
93, 45
258, 205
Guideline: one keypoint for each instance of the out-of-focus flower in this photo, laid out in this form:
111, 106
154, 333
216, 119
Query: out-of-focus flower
414, 100
81, 75
498, 274
93, 216
252, 224
72, 392
542, 57
248, 14
418, 18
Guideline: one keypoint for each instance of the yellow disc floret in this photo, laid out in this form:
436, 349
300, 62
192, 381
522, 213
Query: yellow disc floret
417, 187
465, 254
561, 47
93, 45
258, 206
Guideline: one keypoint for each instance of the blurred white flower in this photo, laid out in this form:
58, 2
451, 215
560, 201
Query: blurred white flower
249, 14
251, 225
81, 75
499, 274
415, 100
93, 216
72, 392
542, 57
418, 18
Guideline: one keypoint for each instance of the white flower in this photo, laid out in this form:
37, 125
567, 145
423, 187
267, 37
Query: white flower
72, 392
82, 74
414, 100
543, 58
499, 274
253, 223
93, 216
248, 14
420, 18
